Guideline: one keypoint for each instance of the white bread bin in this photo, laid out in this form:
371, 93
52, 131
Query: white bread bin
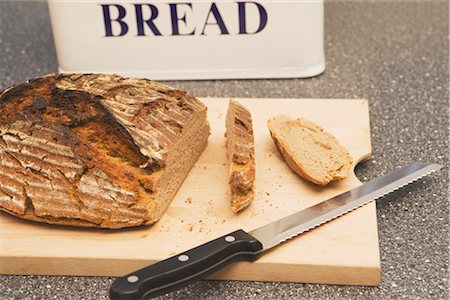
190, 39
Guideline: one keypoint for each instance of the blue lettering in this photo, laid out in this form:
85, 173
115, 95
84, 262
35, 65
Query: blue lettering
218, 18
108, 21
117, 26
175, 18
140, 20
242, 17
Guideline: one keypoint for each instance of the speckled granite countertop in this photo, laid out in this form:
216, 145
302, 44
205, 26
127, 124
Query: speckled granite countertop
393, 53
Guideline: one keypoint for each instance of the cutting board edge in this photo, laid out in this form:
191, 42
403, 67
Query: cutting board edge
243, 271
316, 274
365, 101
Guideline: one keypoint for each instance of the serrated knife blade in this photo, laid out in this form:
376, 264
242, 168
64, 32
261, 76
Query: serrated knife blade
283, 229
197, 263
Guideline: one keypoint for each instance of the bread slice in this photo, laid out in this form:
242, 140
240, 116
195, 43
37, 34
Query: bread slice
241, 155
96, 150
311, 152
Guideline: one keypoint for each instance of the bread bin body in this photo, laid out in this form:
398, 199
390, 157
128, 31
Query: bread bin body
190, 39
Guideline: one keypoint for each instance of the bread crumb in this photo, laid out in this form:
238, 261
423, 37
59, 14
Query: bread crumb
200, 229
144, 236
190, 227
188, 200
223, 221
267, 193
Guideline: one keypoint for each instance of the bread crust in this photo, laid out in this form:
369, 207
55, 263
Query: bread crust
241, 156
89, 149
343, 161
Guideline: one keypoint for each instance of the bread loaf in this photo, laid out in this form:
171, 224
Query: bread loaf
96, 150
311, 152
241, 155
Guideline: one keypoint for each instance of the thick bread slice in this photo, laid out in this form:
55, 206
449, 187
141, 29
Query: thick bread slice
241, 156
96, 150
311, 152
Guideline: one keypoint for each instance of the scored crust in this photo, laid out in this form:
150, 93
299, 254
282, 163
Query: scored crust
96, 150
241, 156
312, 153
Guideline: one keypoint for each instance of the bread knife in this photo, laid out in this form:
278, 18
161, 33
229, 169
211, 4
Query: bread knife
197, 263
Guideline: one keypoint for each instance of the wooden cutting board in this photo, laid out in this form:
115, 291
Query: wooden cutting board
344, 251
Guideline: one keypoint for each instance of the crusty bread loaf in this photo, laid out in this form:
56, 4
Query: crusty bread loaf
241, 155
311, 152
96, 150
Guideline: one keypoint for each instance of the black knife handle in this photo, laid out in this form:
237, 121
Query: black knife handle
187, 267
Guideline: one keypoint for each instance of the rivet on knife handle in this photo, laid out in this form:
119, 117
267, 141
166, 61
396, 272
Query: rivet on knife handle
186, 267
